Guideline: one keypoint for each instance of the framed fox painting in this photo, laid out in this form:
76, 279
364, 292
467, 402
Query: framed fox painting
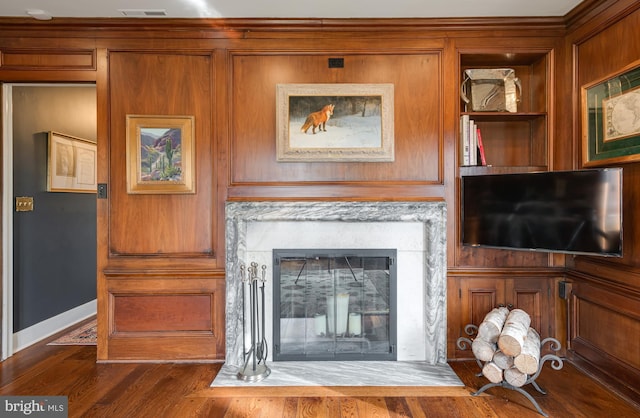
334, 122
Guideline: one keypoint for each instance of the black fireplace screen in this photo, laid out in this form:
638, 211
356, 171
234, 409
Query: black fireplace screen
337, 304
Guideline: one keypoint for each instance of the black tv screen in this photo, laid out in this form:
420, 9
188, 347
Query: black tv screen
575, 212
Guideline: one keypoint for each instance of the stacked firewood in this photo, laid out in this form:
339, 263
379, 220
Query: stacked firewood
508, 346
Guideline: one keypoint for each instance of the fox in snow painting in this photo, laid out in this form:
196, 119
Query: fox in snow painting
318, 119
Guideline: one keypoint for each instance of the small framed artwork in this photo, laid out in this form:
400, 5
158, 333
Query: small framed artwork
611, 118
334, 122
160, 154
71, 164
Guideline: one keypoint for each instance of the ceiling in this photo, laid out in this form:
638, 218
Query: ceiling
44, 9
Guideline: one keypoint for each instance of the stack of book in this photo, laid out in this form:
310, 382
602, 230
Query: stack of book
471, 142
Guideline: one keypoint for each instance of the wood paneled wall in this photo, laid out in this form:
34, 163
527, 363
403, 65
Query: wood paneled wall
161, 257
174, 309
604, 302
165, 224
418, 114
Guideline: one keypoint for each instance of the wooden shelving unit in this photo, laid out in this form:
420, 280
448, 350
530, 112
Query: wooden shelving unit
513, 141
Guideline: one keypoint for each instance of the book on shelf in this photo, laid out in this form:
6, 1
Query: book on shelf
464, 138
473, 143
481, 155
472, 148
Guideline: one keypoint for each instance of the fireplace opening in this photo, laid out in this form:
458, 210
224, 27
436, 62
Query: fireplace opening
334, 304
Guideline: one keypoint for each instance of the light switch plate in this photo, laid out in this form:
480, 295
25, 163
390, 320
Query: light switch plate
102, 190
24, 203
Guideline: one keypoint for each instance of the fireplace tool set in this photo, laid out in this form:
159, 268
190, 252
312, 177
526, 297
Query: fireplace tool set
255, 367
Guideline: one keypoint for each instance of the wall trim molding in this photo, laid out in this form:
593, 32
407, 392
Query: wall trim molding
38, 332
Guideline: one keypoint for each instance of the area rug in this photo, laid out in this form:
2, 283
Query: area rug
85, 334
346, 373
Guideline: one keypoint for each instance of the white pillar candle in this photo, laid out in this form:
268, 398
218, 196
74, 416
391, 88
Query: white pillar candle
337, 313
320, 323
355, 323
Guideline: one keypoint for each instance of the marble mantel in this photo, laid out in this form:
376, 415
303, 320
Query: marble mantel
387, 218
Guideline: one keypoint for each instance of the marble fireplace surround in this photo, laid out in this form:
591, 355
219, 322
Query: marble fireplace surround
385, 219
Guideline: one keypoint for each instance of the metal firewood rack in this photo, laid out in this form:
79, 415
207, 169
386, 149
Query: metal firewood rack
464, 343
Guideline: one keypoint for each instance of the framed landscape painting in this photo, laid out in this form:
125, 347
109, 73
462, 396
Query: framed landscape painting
334, 122
160, 154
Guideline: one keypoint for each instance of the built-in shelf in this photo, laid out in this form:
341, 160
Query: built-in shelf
513, 141
476, 170
504, 116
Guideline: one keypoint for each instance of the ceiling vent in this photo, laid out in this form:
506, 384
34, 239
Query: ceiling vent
143, 12
39, 14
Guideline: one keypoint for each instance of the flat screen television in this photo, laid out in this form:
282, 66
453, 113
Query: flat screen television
574, 212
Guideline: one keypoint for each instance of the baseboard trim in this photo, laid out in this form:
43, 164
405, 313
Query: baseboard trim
38, 332
583, 364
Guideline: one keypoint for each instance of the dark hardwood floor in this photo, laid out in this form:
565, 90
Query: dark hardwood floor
182, 390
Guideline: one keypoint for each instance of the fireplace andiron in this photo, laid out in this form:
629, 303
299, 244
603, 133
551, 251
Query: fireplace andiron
255, 367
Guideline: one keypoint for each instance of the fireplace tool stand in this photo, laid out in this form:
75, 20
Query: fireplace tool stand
464, 343
255, 367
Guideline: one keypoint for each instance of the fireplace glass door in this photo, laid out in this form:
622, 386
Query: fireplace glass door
334, 304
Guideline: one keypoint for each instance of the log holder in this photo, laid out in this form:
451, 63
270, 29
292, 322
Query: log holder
464, 343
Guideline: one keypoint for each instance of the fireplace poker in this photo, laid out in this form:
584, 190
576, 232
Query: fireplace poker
263, 341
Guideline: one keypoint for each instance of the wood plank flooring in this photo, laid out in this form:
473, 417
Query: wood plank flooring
178, 390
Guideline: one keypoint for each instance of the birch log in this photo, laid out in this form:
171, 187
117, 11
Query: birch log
514, 332
528, 359
492, 372
502, 360
491, 326
515, 377
483, 350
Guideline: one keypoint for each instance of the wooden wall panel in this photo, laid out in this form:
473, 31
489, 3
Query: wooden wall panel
598, 326
605, 325
471, 296
163, 318
162, 313
162, 224
605, 309
590, 52
46, 59
470, 300
488, 257
614, 43
417, 79
530, 295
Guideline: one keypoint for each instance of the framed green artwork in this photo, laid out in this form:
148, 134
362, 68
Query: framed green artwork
611, 118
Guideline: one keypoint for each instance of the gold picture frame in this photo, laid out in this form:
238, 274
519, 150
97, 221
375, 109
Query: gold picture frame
160, 154
335, 122
71, 164
610, 131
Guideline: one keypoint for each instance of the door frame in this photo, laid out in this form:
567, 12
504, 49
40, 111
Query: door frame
7, 221
13, 342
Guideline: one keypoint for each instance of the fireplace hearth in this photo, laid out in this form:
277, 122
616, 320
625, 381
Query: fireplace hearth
417, 230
